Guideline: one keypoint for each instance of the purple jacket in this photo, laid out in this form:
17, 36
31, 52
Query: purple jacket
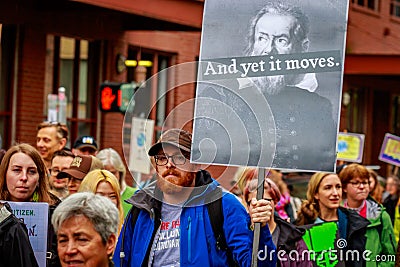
290, 247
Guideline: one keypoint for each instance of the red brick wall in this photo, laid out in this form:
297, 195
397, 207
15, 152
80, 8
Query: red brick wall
186, 47
31, 74
185, 44
111, 123
30, 86
372, 33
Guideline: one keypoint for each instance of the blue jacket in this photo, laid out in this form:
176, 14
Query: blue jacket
197, 241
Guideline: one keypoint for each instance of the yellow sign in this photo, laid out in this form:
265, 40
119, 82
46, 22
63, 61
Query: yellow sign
390, 151
350, 147
393, 149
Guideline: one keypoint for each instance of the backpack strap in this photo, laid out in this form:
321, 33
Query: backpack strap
133, 215
214, 208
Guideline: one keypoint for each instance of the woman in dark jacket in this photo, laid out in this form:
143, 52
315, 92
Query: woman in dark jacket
322, 207
15, 247
286, 237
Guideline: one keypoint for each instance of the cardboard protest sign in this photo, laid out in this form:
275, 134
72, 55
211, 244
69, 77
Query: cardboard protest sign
269, 95
141, 136
350, 147
35, 216
390, 150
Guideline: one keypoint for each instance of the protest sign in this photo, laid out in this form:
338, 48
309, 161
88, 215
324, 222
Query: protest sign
390, 150
267, 96
35, 216
350, 147
141, 136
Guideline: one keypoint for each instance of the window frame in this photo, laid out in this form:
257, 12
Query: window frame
78, 125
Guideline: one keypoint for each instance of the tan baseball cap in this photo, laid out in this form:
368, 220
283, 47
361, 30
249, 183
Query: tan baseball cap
176, 137
80, 166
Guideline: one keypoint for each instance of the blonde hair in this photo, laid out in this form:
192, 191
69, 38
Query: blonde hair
309, 210
378, 189
244, 176
269, 187
92, 181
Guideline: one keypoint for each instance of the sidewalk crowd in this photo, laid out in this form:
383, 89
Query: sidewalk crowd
183, 216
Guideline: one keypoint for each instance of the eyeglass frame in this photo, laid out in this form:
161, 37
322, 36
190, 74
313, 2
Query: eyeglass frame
168, 159
358, 183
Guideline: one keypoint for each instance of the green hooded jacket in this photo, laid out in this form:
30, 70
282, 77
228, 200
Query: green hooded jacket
380, 236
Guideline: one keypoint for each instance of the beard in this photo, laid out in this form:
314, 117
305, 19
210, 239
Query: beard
175, 183
272, 85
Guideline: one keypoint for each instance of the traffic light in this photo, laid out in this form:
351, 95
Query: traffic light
115, 97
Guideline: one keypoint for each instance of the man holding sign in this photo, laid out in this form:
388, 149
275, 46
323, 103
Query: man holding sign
170, 224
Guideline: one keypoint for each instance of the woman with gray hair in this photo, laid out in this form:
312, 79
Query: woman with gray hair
86, 225
113, 163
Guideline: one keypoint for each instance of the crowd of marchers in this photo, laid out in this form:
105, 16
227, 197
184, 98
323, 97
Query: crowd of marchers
183, 216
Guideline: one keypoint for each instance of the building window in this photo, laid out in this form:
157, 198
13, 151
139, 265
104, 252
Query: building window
75, 66
369, 4
396, 115
355, 110
395, 8
154, 102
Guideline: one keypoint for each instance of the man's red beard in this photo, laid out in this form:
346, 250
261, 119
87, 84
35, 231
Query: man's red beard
177, 183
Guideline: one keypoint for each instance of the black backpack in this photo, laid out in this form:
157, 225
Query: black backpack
214, 208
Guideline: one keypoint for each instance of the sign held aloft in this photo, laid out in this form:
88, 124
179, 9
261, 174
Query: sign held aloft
390, 150
350, 147
269, 84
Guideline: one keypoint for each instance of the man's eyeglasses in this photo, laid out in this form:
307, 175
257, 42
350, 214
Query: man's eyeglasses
358, 183
162, 160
